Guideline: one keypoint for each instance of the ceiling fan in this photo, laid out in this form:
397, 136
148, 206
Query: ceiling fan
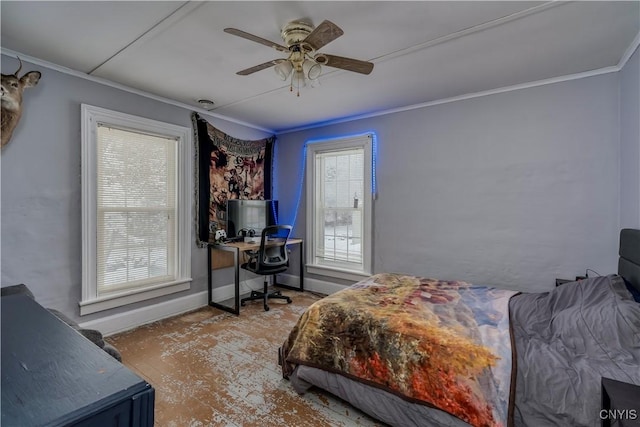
302, 42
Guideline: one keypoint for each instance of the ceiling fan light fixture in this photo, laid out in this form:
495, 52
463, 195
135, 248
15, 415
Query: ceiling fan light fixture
311, 69
302, 42
297, 81
283, 70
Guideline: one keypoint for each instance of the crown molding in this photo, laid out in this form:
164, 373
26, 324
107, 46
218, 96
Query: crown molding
629, 52
553, 80
105, 82
612, 69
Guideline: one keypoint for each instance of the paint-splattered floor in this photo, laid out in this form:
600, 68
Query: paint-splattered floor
210, 368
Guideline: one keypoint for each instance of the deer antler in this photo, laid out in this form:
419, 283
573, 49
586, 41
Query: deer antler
19, 68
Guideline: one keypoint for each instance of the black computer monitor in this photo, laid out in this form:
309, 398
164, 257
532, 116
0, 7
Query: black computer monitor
250, 216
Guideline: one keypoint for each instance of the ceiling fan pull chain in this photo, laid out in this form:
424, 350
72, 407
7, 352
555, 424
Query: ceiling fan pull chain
291, 84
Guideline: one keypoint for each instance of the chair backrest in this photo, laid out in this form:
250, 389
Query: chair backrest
273, 247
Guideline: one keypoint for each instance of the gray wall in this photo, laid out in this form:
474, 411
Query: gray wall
630, 143
40, 172
512, 189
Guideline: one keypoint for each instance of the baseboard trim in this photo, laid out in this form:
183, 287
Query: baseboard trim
312, 285
121, 322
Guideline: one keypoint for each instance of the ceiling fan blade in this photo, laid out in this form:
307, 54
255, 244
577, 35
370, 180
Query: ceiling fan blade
323, 34
256, 39
259, 67
349, 64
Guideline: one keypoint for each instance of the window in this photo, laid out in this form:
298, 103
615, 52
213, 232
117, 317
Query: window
136, 209
339, 206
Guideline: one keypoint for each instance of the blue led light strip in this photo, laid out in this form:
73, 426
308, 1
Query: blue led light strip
302, 172
275, 212
374, 157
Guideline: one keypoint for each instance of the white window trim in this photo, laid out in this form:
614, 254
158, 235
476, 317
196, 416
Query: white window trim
345, 143
90, 117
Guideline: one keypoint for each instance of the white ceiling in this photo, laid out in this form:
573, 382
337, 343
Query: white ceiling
423, 51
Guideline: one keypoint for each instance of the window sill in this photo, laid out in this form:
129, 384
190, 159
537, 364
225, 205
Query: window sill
131, 296
339, 273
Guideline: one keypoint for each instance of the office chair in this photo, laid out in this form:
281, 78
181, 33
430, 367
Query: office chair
270, 259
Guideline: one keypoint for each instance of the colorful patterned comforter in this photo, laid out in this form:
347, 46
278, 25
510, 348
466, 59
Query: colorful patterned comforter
439, 343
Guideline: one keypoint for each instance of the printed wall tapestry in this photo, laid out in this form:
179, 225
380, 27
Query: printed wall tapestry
228, 168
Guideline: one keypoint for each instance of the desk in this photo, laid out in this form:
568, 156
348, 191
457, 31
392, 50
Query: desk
237, 248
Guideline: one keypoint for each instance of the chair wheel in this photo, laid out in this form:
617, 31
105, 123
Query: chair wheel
242, 303
266, 308
288, 300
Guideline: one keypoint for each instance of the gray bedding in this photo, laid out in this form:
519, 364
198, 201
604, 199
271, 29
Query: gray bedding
566, 340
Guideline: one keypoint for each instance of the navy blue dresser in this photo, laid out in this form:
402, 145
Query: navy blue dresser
53, 376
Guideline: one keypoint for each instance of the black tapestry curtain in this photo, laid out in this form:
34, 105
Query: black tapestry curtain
227, 168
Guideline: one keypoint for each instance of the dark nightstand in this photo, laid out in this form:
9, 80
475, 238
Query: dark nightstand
620, 404
563, 281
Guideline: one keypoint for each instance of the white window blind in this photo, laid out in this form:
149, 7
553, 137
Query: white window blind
137, 188
136, 209
340, 205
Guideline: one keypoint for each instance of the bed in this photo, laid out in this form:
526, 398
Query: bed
413, 351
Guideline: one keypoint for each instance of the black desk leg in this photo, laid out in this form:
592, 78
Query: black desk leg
236, 262
302, 266
209, 282
236, 308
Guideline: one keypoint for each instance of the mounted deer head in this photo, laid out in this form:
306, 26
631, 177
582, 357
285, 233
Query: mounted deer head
12, 87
